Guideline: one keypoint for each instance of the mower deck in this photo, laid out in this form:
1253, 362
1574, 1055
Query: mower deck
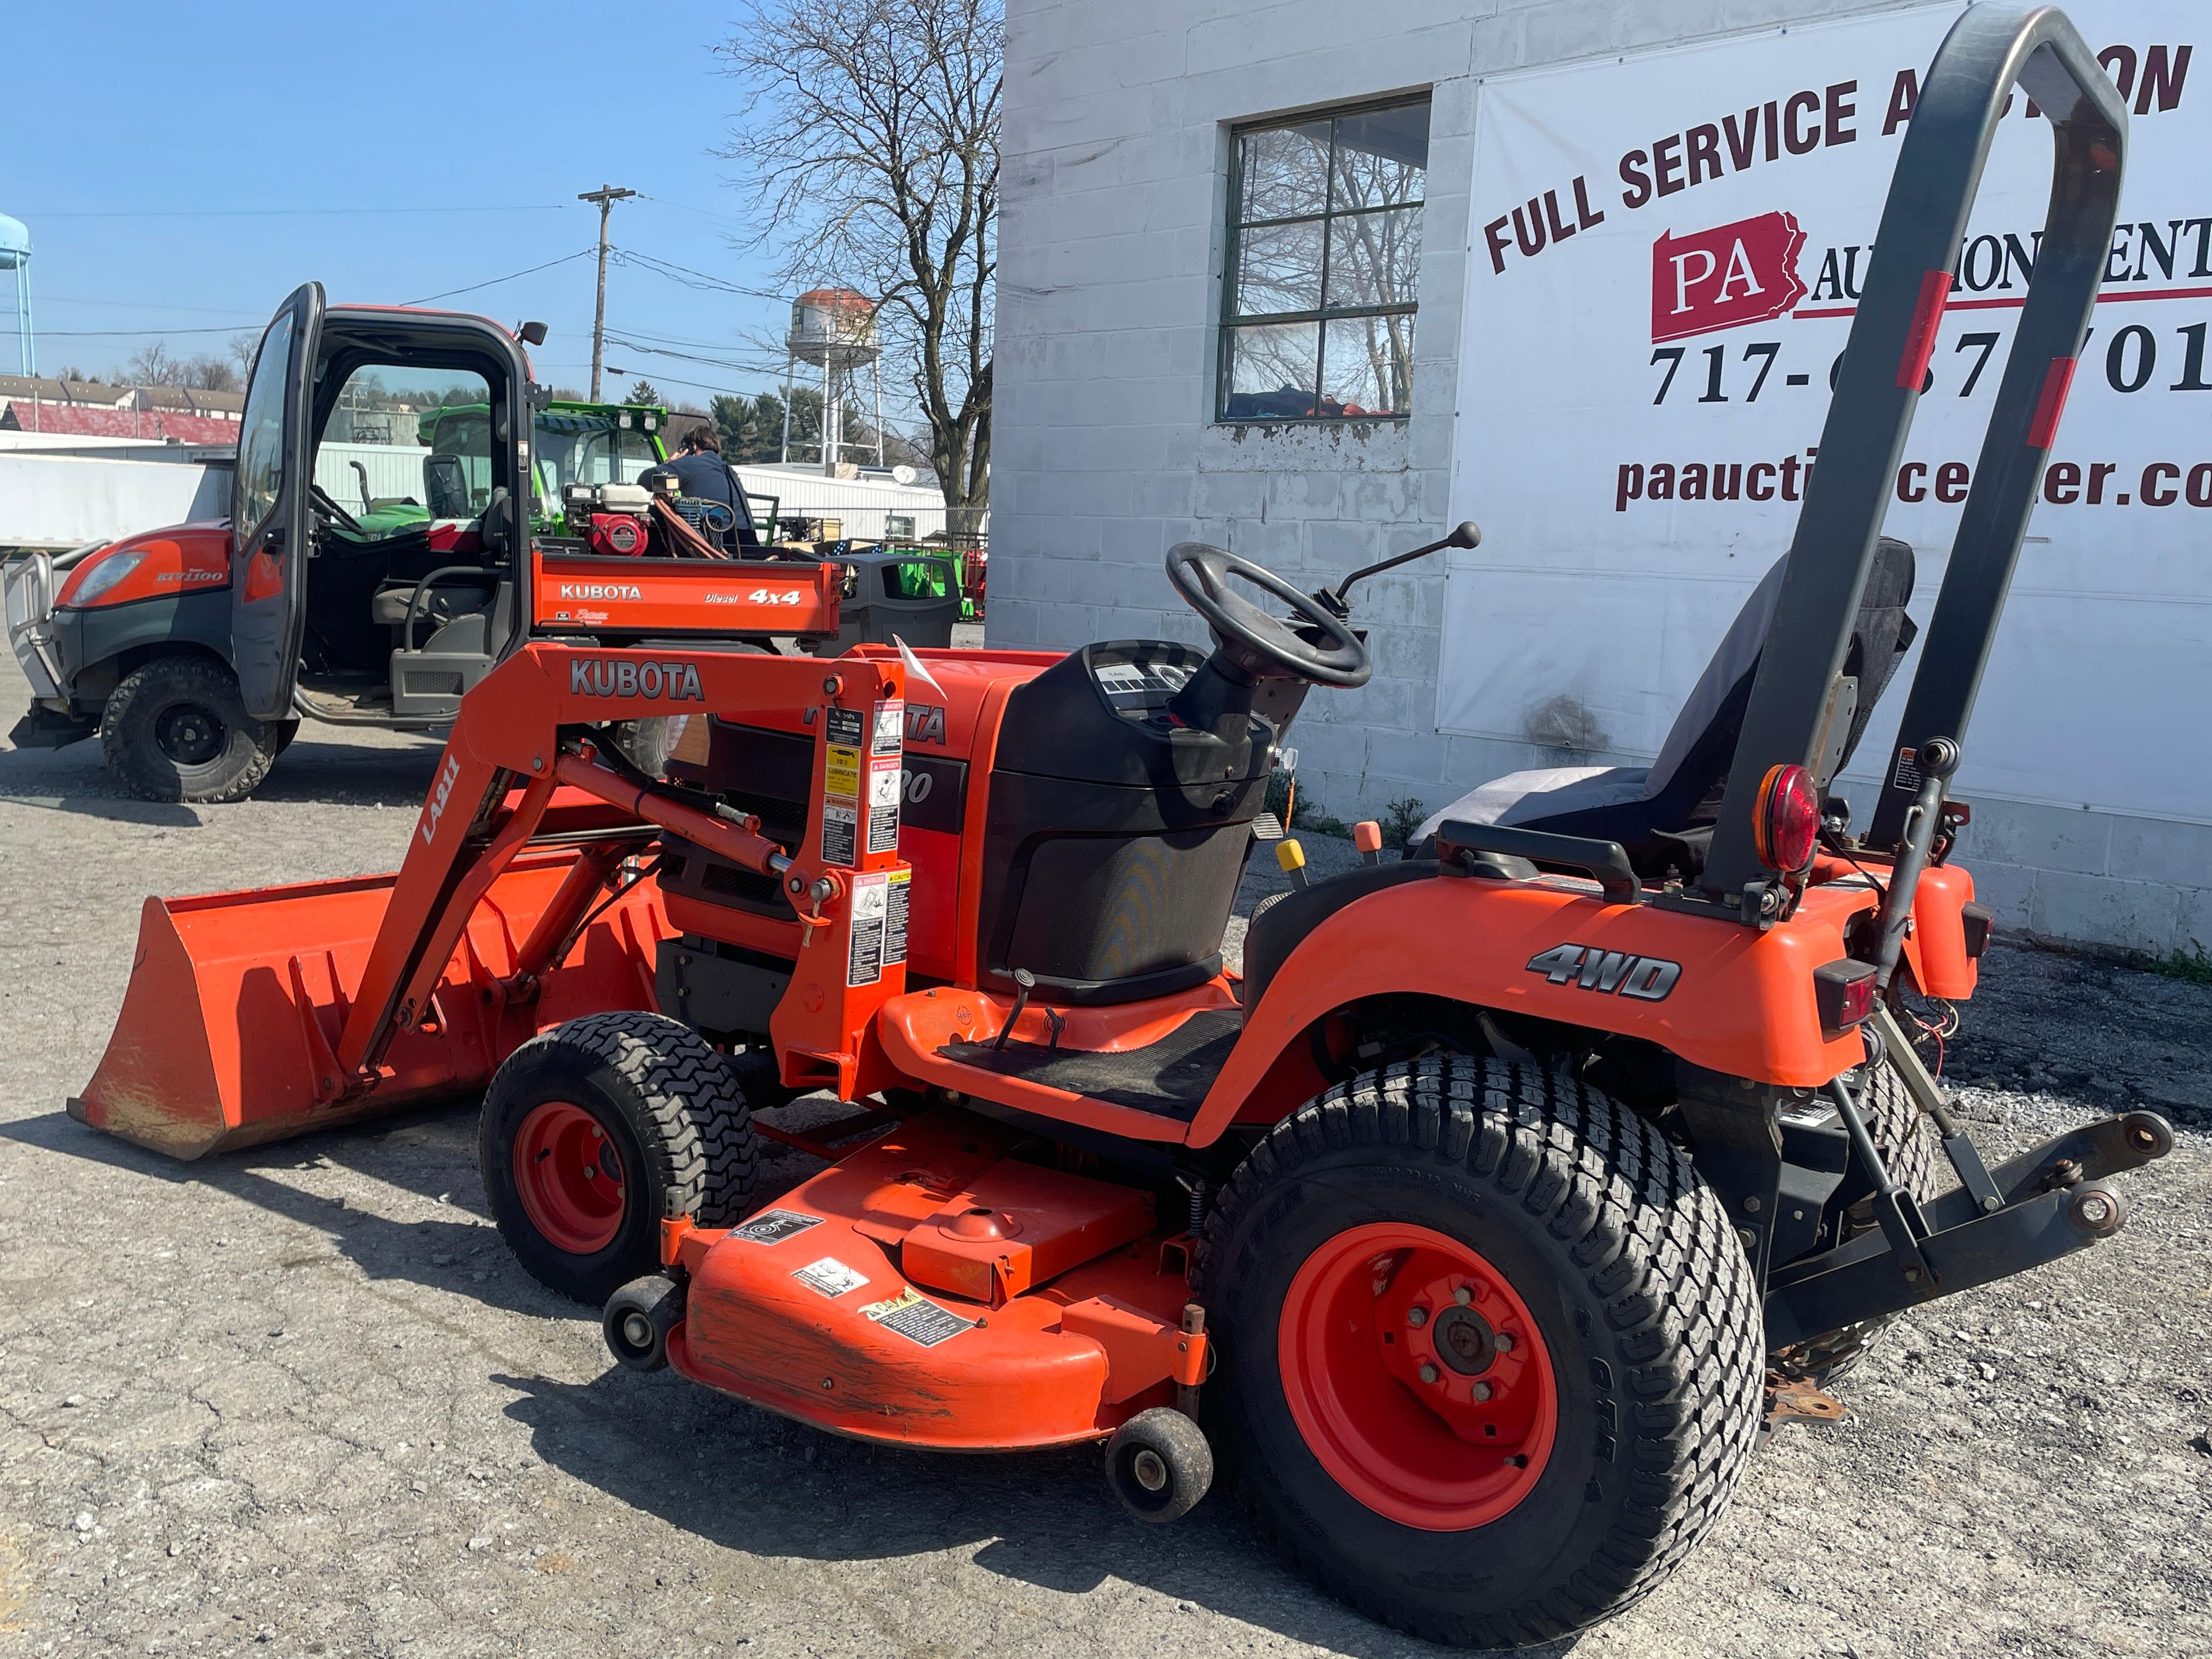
929, 1289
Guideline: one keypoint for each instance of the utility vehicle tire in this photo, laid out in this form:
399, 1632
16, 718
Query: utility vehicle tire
1907, 1143
595, 1131
176, 730
1582, 1306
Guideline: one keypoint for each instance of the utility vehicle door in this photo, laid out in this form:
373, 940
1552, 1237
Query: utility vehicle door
271, 515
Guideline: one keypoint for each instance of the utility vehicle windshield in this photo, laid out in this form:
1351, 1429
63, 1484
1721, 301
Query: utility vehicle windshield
394, 455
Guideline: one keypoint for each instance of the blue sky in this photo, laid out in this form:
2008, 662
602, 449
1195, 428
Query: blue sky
189, 165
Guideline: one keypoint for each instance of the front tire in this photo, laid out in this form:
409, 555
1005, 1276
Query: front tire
1492, 1355
596, 1130
177, 730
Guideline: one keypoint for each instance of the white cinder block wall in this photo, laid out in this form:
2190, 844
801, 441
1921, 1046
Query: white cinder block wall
1105, 453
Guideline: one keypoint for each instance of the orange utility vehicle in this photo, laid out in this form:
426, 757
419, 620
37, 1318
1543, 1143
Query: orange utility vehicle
1482, 1220
195, 652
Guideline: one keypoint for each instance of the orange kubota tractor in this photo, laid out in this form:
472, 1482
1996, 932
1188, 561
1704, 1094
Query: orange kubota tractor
1482, 1221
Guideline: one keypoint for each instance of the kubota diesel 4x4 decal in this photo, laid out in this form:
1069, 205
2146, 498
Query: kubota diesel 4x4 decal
1648, 979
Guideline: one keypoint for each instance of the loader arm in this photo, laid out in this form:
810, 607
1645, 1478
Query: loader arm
527, 724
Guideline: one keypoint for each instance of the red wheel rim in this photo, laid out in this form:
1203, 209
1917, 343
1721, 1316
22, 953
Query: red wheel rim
570, 1178
1418, 1377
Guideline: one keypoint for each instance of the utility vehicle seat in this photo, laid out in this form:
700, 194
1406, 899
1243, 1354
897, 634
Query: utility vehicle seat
1662, 814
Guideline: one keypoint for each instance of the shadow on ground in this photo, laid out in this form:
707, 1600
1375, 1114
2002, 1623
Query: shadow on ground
747, 1480
730, 1474
335, 772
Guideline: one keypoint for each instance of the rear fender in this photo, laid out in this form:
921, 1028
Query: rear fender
1728, 997
1935, 952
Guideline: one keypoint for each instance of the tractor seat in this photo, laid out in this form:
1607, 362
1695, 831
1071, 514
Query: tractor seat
1663, 814
455, 596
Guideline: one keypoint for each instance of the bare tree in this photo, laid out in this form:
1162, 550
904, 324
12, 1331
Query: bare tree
210, 373
242, 348
869, 136
152, 366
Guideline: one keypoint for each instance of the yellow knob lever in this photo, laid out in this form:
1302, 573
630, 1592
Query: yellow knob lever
1293, 858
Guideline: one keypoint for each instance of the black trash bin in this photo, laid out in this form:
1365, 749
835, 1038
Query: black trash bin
904, 591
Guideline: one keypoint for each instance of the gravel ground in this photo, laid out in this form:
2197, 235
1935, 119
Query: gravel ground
298, 1400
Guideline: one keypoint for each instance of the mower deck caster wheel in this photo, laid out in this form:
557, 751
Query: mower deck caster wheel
638, 1320
1159, 1465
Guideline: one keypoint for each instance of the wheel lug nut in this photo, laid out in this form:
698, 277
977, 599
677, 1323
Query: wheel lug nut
1428, 1373
1481, 1391
1417, 1318
1505, 1341
1463, 1295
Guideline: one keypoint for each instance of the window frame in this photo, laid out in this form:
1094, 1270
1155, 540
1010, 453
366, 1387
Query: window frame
1230, 320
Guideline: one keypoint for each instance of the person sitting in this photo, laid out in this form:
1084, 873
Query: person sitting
706, 477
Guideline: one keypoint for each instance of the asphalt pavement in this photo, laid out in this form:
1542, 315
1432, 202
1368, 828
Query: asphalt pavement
299, 1401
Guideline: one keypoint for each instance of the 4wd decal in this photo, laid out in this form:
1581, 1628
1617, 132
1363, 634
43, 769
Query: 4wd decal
1649, 979
604, 676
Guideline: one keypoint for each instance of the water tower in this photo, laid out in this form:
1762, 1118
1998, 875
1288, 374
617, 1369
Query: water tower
15, 255
834, 329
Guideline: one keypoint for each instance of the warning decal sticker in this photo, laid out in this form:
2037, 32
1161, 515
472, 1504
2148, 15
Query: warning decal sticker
863, 965
774, 1226
894, 897
841, 831
884, 781
1907, 775
829, 1276
891, 727
918, 1319
845, 726
840, 774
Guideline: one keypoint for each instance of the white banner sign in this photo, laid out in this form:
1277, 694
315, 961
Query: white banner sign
1665, 251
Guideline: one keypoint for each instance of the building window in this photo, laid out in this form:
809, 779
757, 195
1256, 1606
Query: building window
1324, 265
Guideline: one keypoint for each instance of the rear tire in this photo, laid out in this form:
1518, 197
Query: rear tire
1609, 1331
177, 730
595, 1132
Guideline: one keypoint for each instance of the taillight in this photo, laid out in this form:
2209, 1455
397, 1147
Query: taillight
1844, 990
1786, 823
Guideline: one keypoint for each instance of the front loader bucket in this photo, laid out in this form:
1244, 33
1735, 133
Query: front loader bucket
237, 1001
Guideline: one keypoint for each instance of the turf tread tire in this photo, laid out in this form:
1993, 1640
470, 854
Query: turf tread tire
127, 739
1680, 1323
684, 1110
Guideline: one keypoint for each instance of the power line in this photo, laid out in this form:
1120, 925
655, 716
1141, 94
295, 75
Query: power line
494, 282
287, 213
142, 305
134, 333
686, 276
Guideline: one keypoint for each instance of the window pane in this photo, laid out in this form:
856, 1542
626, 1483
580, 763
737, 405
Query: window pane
1270, 372
261, 431
1375, 259
1382, 157
1278, 269
1286, 171
1370, 366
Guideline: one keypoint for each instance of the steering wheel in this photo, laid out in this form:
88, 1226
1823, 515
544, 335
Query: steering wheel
1264, 642
322, 500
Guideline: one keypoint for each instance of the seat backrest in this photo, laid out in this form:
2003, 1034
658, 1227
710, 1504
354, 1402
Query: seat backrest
1693, 764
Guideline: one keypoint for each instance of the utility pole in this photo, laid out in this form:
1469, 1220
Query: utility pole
606, 196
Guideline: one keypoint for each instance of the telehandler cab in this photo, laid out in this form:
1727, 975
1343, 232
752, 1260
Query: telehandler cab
1482, 1221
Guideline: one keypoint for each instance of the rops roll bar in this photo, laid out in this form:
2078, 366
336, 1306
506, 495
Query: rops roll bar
1992, 48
